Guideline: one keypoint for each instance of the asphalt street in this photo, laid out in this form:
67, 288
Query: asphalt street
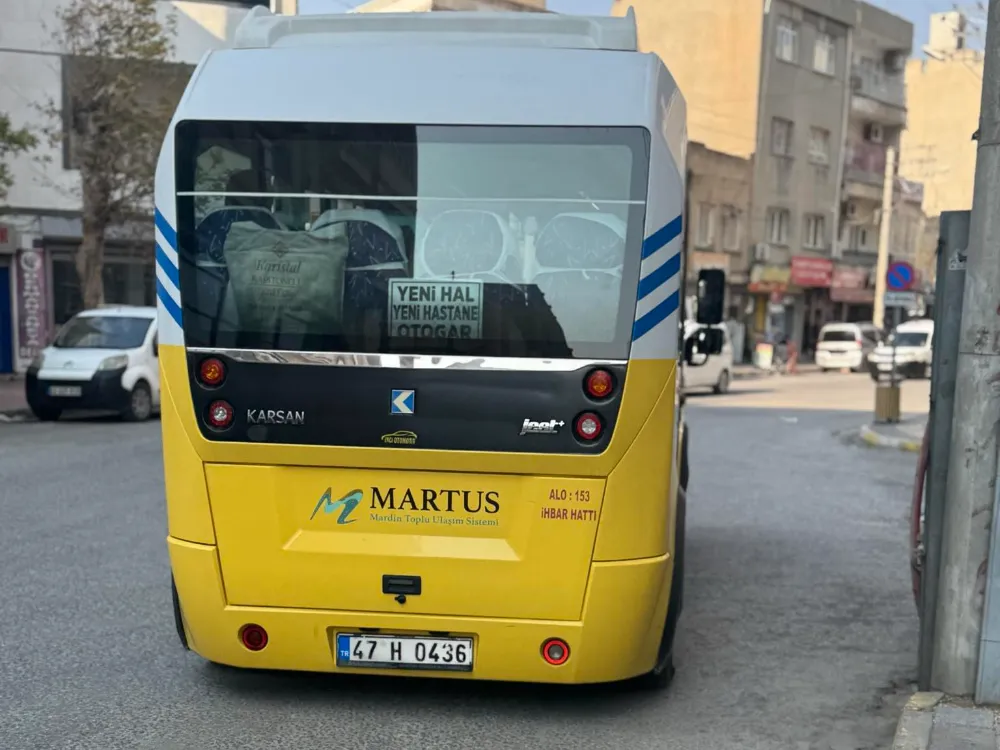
799, 630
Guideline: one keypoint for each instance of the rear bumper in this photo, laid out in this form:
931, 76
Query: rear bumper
836, 361
103, 391
623, 617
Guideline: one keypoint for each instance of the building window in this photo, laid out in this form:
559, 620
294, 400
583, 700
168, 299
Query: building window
779, 222
706, 220
730, 228
815, 232
858, 238
825, 55
781, 137
787, 41
819, 146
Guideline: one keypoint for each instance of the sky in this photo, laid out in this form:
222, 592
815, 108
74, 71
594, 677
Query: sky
916, 11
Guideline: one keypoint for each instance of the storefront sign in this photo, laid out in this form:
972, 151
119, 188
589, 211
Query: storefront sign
811, 272
768, 279
32, 303
851, 284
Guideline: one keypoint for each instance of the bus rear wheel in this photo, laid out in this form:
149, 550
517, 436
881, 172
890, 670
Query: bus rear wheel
660, 677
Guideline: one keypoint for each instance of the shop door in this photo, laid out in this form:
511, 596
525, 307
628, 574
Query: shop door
6, 331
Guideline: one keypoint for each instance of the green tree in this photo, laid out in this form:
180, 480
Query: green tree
12, 142
119, 92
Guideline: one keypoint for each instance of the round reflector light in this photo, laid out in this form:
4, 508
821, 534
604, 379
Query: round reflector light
588, 426
253, 637
555, 651
220, 415
212, 372
599, 384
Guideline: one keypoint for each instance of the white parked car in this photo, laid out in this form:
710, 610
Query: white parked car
914, 342
846, 345
103, 359
717, 372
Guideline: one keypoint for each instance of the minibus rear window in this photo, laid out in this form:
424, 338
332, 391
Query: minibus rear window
839, 336
472, 240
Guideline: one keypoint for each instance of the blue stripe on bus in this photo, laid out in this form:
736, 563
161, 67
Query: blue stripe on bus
660, 276
165, 229
661, 237
164, 262
657, 315
169, 305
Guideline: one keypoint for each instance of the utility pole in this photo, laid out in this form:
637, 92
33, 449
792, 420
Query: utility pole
884, 237
972, 469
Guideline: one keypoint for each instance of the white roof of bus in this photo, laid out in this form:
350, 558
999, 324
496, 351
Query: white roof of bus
409, 77
261, 28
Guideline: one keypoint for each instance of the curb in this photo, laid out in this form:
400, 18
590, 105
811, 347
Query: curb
913, 732
874, 439
15, 415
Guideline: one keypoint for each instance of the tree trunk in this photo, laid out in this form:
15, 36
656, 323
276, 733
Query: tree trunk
90, 254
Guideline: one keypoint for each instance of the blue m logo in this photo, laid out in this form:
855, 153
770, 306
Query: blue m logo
345, 505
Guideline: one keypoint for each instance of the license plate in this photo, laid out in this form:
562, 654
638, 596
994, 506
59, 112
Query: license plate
65, 390
885, 368
406, 652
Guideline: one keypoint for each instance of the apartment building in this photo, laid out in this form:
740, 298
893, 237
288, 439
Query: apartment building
814, 89
943, 92
718, 209
40, 225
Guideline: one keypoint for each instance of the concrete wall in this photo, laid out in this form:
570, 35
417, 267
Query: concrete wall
31, 72
944, 100
712, 48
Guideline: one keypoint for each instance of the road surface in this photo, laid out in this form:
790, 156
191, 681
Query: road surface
799, 631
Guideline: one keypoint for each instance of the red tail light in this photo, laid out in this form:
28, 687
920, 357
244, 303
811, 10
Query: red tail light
599, 384
220, 415
555, 651
588, 426
211, 372
253, 637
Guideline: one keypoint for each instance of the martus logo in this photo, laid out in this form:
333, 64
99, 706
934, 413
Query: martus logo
436, 501
345, 505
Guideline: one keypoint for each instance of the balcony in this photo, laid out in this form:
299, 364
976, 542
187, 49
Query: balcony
864, 163
878, 97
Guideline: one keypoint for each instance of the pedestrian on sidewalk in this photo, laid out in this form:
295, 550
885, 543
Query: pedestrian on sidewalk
792, 361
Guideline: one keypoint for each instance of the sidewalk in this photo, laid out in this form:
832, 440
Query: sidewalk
905, 435
751, 372
931, 722
12, 401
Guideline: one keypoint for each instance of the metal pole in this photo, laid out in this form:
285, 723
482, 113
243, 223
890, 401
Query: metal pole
884, 237
973, 461
948, 295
